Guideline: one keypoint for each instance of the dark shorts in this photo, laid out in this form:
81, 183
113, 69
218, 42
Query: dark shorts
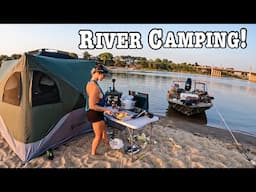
94, 116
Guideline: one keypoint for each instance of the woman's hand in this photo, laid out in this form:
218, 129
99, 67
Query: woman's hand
109, 112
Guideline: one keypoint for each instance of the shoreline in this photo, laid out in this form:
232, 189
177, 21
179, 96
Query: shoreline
125, 70
214, 132
198, 124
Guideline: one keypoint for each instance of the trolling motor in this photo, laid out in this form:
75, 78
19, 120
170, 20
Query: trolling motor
113, 88
113, 96
188, 84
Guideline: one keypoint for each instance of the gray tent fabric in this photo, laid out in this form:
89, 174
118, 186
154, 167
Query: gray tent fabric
60, 134
49, 121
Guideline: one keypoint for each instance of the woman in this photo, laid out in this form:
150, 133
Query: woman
95, 107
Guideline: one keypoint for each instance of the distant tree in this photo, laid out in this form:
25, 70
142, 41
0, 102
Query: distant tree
142, 61
3, 57
86, 55
105, 56
165, 61
158, 60
74, 55
117, 60
15, 56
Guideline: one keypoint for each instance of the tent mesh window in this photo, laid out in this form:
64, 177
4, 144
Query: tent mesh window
12, 89
44, 89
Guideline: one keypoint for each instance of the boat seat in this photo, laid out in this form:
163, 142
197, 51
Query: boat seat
180, 90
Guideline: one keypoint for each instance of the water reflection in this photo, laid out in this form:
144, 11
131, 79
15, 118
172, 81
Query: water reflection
198, 118
250, 90
232, 97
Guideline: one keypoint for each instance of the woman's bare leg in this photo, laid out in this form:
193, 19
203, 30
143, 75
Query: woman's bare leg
105, 137
98, 131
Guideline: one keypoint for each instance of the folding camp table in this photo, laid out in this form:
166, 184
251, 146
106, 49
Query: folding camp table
134, 124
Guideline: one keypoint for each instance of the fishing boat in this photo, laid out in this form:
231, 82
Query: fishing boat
189, 100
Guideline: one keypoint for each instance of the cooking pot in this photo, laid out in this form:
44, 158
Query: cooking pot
127, 102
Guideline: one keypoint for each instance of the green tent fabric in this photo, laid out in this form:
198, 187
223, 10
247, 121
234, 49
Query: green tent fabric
42, 102
73, 71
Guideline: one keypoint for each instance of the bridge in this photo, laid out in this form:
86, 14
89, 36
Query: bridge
217, 71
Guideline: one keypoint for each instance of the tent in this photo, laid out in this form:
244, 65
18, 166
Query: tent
42, 102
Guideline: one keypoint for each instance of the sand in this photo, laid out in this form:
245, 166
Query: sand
174, 145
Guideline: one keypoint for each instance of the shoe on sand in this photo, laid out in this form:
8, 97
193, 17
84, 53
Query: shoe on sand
134, 149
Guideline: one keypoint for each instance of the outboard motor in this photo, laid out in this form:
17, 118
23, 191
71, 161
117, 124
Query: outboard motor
188, 84
113, 96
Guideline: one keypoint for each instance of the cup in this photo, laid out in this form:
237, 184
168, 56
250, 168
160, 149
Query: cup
114, 105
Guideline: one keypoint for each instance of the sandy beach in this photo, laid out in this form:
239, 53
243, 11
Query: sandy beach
174, 145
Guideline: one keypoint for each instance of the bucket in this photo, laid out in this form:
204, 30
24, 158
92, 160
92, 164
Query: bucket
127, 103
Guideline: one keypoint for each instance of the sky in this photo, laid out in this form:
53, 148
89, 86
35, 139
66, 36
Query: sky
20, 38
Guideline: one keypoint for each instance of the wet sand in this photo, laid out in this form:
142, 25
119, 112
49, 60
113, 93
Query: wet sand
197, 125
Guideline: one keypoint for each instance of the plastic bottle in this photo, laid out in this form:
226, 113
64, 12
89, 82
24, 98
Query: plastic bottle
49, 154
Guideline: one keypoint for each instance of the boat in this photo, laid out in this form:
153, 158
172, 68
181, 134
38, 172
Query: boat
189, 100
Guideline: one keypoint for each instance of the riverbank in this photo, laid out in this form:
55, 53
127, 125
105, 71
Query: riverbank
147, 70
175, 145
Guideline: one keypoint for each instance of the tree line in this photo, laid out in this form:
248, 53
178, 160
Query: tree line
128, 61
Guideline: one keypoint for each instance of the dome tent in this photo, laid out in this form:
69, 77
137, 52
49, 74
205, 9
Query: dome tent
42, 102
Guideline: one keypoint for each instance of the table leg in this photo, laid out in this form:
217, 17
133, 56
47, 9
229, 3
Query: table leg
132, 144
131, 140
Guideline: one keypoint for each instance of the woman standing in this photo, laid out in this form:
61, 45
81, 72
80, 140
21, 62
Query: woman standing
95, 107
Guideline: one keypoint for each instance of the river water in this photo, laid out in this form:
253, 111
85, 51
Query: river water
234, 105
